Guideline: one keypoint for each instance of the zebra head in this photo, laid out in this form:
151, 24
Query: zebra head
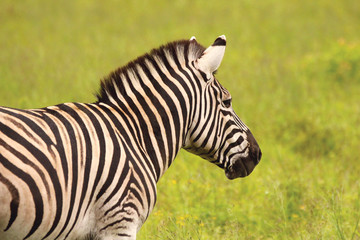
216, 132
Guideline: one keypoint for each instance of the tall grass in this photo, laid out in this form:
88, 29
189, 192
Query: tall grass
292, 67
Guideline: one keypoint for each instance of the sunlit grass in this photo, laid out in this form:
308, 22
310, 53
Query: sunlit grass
292, 67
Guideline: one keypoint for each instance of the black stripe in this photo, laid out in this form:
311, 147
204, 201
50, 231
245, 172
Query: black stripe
88, 157
211, 130
43, 160
128, 188
116, 222
219, 131
191, 96
26, 161
209, 107
200, 109
74, 160
15, 199
178, 94
225, 138
203, 75
124, 112
59, 147
161, 112
126, 116
14, 135
144, 128
142, 125
35, 192
162, 92
120, 182
123, 235
115, 156
102, 150
46, 139
154, 124
40, 156
198, 87
227, 150
140, 185
142, 159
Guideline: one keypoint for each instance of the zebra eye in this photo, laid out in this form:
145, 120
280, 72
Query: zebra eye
227, 103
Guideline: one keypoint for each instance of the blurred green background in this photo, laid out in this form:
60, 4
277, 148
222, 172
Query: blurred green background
292, 67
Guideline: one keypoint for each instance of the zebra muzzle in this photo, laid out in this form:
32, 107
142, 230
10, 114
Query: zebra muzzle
243, 166
240, 168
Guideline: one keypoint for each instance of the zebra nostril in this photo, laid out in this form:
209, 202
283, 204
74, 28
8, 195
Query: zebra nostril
259, 155
256, 155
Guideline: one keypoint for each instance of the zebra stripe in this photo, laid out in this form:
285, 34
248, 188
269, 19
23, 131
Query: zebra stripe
89, 170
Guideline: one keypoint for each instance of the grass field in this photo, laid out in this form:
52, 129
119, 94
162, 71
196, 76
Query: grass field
292, 67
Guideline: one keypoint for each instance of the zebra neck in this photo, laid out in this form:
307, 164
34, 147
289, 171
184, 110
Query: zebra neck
153, 132
157, 123
155, 94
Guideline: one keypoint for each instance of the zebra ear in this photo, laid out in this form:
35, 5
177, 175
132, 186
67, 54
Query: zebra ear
210, 60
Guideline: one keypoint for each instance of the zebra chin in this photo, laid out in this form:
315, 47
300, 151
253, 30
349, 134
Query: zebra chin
241, 167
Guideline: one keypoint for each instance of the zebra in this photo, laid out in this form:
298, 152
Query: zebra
89, 170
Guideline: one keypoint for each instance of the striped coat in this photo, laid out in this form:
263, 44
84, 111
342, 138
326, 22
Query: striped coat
78, 170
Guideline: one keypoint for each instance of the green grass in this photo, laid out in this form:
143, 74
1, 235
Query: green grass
292, 67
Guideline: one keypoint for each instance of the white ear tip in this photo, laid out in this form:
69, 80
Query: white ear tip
192, 38
222, 37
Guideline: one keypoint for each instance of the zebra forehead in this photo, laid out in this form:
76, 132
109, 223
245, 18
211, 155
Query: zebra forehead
182, 50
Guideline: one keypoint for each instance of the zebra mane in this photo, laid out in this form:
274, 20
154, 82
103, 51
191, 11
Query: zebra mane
187, 50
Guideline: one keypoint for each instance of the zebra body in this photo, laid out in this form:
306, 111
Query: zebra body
82, 190
77, 170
